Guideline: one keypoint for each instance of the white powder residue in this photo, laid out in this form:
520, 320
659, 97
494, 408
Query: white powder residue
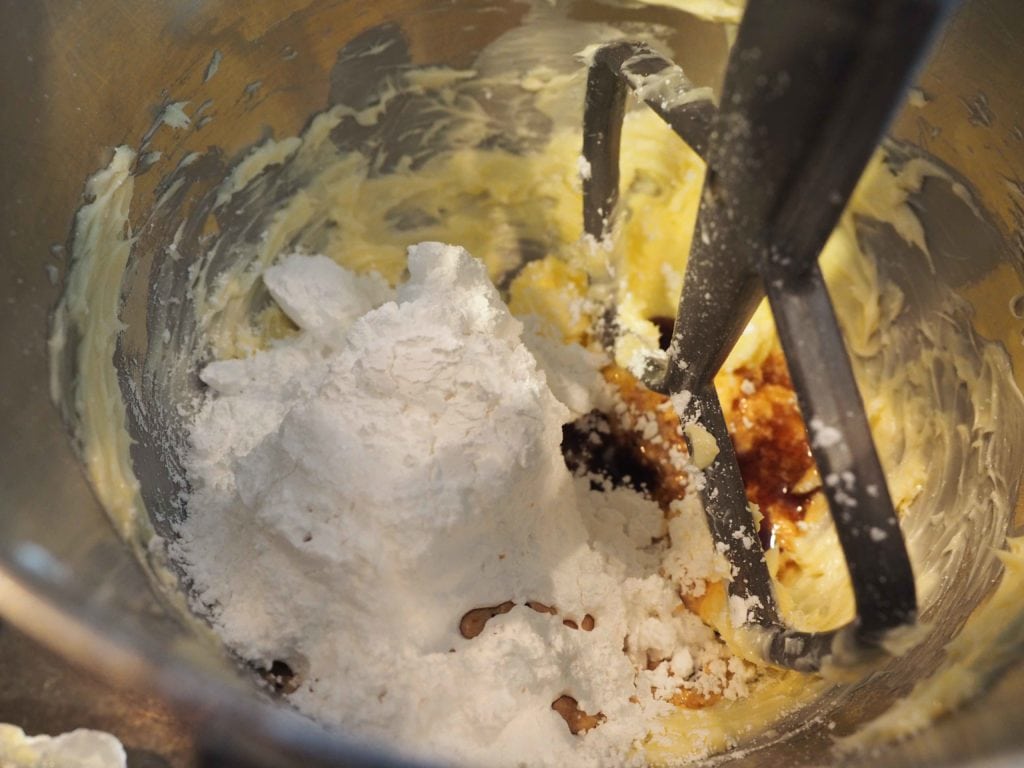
583, 169
362, 486
824, 435
740, 608
174, 115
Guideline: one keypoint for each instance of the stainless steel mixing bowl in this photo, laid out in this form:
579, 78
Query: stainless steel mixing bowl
81, 78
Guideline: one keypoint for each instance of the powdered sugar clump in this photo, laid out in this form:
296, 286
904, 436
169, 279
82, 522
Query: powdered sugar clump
362, 486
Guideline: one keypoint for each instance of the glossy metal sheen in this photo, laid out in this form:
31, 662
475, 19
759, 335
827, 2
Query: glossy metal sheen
77, 79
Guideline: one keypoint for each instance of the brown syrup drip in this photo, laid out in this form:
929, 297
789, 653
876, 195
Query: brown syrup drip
765, 424
474, 621
577, 720
772, 448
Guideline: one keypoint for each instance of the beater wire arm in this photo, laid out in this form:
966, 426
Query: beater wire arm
615, 69
809, 90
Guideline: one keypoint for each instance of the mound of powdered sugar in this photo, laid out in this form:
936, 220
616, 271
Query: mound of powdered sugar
362, 486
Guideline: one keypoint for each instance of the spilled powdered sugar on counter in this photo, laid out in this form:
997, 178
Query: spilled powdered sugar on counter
381, 505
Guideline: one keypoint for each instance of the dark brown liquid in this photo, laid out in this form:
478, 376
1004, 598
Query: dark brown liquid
772, 448
767, 430
590, 446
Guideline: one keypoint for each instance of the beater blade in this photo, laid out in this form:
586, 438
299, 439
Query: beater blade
810, 88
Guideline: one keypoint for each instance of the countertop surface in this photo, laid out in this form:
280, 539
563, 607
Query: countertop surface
43, 694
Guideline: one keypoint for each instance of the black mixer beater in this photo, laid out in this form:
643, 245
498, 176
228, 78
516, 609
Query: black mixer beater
809, 90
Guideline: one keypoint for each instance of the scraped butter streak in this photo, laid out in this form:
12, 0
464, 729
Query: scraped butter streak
974, 660
725, 11
78, 749
295, 477
86, 324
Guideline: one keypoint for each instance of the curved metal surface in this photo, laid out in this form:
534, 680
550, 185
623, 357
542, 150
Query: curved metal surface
79, 79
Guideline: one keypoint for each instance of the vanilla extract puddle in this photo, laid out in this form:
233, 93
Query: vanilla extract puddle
765, 424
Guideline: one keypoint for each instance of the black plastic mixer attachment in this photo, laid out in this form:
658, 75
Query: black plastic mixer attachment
809, 90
